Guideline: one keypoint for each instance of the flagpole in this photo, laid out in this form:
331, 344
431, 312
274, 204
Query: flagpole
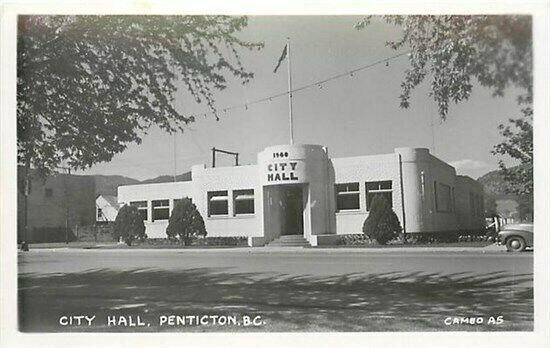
290, 93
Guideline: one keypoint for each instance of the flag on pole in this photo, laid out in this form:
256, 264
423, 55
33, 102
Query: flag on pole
283, 56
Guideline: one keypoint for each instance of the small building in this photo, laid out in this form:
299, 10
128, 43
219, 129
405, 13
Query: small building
299, 190
106, 208
56, 205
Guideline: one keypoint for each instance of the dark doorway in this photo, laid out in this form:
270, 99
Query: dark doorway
292, 210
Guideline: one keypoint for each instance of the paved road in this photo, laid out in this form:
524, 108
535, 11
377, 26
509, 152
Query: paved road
327, 262
382, 290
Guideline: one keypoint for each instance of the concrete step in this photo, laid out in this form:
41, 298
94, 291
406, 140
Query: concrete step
289, 241
291, 236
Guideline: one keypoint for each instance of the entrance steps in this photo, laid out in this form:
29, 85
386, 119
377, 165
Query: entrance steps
292, 240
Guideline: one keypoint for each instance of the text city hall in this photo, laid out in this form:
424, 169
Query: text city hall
278, 171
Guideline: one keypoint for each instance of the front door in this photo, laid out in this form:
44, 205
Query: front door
292, 210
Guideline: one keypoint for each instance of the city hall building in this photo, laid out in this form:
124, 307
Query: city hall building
299, 190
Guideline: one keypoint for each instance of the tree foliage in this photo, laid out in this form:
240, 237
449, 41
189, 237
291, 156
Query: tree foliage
518, 144
186, 222
87, 86
382, 223
453, 51
129, 225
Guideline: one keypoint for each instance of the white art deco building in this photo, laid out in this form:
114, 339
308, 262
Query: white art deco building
300, 190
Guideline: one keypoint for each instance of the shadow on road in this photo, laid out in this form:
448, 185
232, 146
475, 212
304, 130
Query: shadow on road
393, 301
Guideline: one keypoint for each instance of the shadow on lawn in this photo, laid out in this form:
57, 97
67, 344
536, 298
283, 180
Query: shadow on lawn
395, 301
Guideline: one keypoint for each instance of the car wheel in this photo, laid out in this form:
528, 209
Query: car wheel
515, 244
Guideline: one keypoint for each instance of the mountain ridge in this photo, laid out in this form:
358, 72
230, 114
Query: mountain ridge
108, 184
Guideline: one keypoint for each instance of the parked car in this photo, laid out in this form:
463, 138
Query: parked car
516, 237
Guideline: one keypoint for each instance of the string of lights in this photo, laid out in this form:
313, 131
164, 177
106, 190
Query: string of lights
246, 105
317, 84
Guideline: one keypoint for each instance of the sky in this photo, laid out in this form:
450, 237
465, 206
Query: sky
353, 115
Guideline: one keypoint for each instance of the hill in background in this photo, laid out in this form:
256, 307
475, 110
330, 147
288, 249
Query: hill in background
494, 185
108, 184
506, 204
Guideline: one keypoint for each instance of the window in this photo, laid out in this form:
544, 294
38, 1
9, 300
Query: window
347, 196
99, 213
443, 198
161, 210
217, 203
243, 202
48, 192
379, 188
142, 208
476, 205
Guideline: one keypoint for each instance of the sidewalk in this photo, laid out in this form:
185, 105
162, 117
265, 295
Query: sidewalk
493, 248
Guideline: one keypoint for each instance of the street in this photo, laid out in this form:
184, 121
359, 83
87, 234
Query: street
290, 289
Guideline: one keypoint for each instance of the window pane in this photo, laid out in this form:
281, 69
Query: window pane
161, 209
217, 203
140, 204
142, 208
347, 196
161, 214
443, 198
162, 203
244, 207
348, 187
373, 186
379, 188
348, 202
386, 195
243, 201
385, 185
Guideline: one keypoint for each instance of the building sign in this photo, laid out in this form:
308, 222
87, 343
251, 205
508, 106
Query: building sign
282, 171
285, 165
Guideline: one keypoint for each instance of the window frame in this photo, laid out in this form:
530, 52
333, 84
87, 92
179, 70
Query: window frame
156, 209
348, 191
379, 190
141, 208
223, 197
437, 191
249, 196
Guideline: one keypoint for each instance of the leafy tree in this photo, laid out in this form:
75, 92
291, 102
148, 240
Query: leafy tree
382, 224
451, 52
185, 222
87, 86
129, 225
490, 205
518, 144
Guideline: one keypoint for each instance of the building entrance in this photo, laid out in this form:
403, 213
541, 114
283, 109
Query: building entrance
292, 210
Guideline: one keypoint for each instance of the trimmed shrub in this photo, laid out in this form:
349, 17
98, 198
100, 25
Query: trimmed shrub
129, 225
353, 239
222, 241
382, 224
186, 222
